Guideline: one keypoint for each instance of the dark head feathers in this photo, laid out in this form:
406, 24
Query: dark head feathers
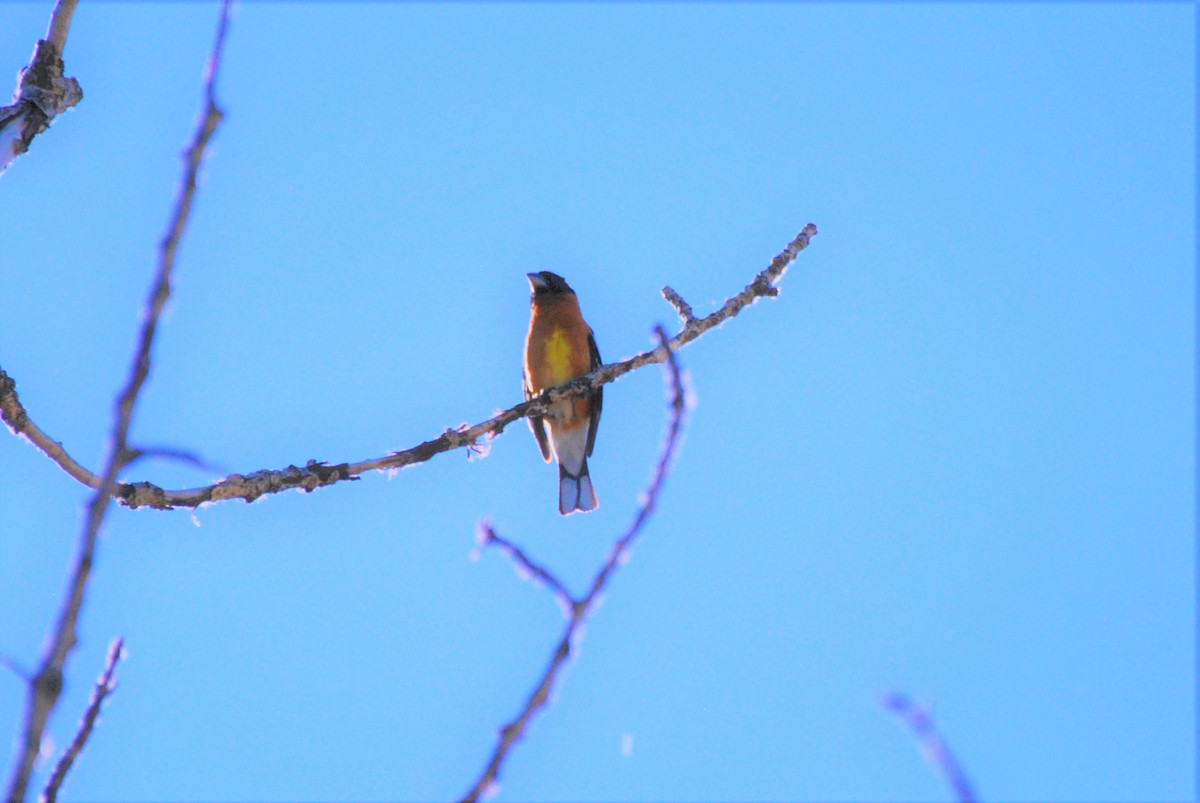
546, 283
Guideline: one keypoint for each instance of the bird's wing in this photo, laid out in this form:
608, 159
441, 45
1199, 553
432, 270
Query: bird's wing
536, 425
597, 397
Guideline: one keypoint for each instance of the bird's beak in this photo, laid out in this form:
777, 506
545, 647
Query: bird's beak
535, 281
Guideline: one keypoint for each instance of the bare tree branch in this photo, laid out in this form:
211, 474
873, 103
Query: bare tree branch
511, 733
104, 687
920, 722
316, 474
43, 92
47, 682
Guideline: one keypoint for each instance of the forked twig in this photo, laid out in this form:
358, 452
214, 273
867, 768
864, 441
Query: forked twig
46, 685
512, 732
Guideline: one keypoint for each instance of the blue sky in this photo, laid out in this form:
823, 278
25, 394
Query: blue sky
954, 457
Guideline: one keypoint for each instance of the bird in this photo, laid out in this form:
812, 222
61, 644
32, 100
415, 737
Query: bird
559, 347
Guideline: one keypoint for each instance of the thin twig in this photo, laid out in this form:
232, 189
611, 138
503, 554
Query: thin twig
47, 683
490, 537
168, 453
104, 687
11, 666
920, 722
60, 23
684, 309
316, 474
511, 733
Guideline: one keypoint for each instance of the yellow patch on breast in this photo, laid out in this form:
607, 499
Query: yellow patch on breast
558, 357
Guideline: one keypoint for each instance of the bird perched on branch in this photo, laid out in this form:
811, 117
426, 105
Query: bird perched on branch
560, 347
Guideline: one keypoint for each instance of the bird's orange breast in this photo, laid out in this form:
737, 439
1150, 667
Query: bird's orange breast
556, 348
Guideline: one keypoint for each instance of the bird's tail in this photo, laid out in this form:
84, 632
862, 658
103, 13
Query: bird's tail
575, 492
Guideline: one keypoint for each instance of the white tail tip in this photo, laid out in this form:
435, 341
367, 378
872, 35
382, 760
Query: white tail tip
575, 494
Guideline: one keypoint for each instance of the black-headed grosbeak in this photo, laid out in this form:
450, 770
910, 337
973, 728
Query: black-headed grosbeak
560, 347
